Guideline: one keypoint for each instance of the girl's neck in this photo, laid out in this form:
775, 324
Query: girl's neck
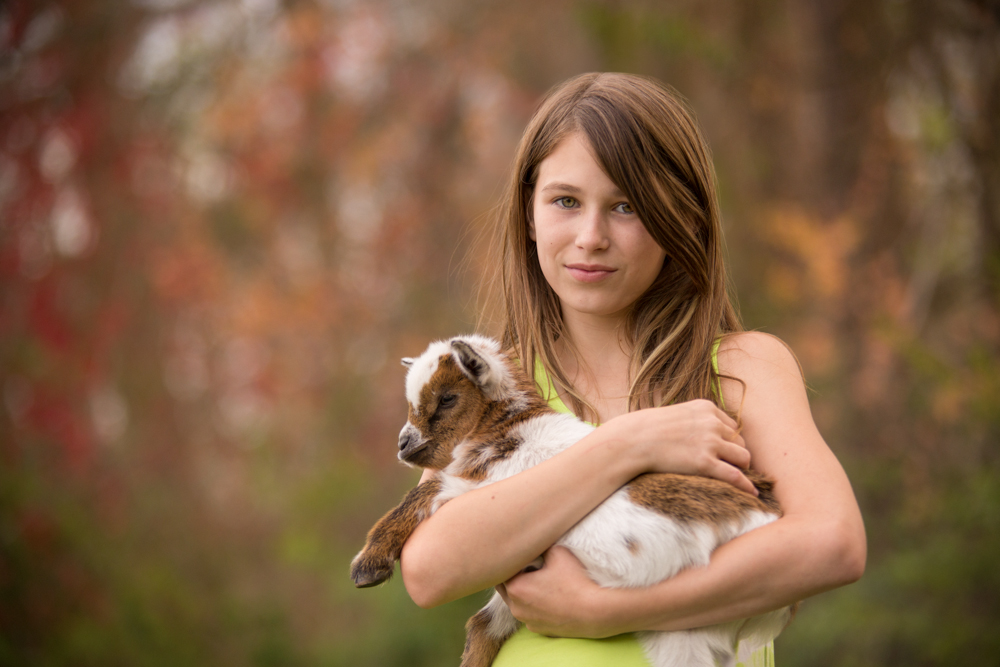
596, 360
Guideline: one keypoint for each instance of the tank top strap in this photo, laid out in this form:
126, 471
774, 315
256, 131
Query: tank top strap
717, 383
548, 389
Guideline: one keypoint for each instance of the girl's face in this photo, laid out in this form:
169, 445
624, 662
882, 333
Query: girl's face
594, 251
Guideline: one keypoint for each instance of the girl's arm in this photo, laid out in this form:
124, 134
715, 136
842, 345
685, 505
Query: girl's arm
817, 545
486, 536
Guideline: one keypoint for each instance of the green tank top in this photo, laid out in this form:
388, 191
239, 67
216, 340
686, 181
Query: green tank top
528, 649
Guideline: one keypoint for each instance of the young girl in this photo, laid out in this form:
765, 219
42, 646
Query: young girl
614, 293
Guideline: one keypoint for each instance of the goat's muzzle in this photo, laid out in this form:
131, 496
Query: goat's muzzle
410, 441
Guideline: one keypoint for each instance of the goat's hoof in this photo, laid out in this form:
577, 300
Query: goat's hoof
367, 572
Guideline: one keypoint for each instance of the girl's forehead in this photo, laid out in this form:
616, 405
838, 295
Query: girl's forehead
573, 166
574, 143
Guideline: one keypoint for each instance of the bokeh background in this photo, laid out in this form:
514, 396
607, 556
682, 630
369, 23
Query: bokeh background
223, 222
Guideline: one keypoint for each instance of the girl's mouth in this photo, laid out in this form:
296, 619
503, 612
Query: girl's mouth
589, 273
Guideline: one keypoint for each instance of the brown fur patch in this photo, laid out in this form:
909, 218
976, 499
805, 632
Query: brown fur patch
482, 456
480, 648
689, 498
385, 540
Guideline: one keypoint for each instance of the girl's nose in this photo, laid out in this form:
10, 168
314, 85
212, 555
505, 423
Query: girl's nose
592, 234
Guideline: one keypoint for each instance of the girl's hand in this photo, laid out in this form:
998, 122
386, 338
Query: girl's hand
692, 438
559, 600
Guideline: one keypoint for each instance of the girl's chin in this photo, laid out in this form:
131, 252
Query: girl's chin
594, 309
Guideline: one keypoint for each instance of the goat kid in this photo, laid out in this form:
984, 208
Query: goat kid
476, 417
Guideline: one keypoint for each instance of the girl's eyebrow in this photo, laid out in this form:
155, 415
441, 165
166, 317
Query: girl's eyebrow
562, 187
566, 187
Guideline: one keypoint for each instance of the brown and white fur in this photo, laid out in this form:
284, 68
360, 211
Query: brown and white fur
476, 417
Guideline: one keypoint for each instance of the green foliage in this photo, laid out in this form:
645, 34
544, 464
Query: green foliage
931, 594
626, 32
222, 223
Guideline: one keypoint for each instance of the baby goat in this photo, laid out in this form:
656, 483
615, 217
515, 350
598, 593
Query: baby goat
476, 417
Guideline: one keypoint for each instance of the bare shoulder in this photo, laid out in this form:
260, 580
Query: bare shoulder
750, 350
760, 361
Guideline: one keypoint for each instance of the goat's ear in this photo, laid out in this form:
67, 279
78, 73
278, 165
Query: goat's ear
471, 362
407, 361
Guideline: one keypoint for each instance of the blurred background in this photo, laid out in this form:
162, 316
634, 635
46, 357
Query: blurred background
223, 222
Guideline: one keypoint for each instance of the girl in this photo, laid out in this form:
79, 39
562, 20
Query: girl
613, 291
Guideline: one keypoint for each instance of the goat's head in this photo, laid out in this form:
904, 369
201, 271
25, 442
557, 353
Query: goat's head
449, 388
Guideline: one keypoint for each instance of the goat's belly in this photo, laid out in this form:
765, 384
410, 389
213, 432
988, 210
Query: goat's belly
623, 545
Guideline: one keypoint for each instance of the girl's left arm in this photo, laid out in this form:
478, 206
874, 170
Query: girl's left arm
818, 544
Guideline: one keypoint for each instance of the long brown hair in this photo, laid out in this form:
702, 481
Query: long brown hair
648, 143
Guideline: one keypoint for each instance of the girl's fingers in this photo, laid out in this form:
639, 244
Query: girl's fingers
726, 419
734, 476
732, 436
735, 454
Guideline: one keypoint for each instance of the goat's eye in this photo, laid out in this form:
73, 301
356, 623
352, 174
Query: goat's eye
447, 401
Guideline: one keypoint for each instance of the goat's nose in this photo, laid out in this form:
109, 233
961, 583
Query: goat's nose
404, 440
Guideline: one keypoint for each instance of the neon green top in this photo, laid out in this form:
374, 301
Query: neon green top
527, 649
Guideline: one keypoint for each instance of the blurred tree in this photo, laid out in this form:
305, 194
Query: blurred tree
221, 222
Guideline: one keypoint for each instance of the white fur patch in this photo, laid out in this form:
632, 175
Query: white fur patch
502, 622
422, 370
623, 545
498, 382
543, 438
453, 486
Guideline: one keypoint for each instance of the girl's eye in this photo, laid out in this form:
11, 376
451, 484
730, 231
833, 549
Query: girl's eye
624, 207
566, 202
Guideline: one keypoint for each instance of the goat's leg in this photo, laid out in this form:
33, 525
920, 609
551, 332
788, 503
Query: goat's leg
486, 632
374, 564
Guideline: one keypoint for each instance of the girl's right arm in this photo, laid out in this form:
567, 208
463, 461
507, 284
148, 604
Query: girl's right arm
486, 536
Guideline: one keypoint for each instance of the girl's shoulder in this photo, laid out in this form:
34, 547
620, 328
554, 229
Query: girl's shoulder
752, 349
759, 362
